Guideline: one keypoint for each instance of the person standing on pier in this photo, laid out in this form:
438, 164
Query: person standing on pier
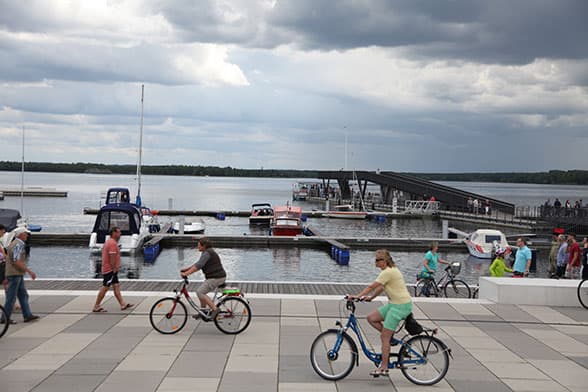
574, 253
555, 245
110, 268
498, 267
562, 256
387, 317
522, 259
16, 268
585, 259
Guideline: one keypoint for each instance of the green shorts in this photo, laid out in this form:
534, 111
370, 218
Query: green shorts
394, 314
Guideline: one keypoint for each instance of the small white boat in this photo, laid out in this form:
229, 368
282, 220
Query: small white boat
299, 191
482, 243
345, 211
261, 214
196, 227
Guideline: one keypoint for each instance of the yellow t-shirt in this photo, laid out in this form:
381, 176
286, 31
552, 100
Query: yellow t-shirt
394, 286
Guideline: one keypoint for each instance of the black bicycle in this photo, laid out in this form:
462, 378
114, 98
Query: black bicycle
582, 293
447, 285
5, 321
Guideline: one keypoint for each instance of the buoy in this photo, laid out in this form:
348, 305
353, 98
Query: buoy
220, 216
344, 257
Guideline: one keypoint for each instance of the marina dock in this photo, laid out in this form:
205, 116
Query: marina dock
33, 192
257, 241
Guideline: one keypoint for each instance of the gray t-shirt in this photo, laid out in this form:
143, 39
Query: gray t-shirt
204, 257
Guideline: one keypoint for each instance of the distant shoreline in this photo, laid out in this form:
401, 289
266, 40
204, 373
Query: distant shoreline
552, 177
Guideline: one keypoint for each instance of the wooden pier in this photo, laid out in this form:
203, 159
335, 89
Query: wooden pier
34, 192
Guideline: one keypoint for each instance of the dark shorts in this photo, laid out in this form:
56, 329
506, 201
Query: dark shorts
109, 278
517, 273
2, 271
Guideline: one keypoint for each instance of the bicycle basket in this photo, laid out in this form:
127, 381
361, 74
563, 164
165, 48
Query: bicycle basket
412, 326
455, 267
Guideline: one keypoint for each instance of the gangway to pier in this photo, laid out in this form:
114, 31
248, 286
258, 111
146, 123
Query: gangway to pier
451, 198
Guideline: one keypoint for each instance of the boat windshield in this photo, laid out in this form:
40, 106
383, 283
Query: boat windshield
491, 238
286, 222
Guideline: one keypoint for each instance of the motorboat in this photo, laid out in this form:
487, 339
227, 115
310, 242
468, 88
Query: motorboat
299, 191
287, 221
196, 227
11, 220
118, 211
482, 243
261, 214
345, 211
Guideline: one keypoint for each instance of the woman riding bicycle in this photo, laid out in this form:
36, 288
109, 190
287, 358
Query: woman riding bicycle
431, 260
214, 274
386, 318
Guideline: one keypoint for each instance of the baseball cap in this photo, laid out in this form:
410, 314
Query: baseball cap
20, 230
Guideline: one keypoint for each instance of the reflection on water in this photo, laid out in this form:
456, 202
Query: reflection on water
275, 264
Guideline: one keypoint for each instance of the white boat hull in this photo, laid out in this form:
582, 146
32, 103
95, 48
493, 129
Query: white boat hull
128, 244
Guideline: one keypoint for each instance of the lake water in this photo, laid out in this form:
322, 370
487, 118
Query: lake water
65, 215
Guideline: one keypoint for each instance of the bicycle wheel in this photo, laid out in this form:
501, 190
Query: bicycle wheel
423, 360
418, 288
234, 316
457, 288
168, 316
583, 293
3, 317
332, 355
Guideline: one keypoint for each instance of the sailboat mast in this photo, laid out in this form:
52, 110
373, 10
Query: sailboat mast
138, 200
22, 173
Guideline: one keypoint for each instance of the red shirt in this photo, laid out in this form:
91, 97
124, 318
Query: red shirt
110, 248
574, 252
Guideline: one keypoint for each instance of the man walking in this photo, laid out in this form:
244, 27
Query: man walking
522, 259
110, 268
16, 268
574, 256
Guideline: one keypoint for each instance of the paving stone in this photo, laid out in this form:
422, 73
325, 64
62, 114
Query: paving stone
21, 380
519, 385
195, 364
88, 366
582, 361
575, 313
515, 370
97, 323
61, 382
511, 313
131, 381
295, 369
440, 311
248, 382
546, 314
188, 384
307, 386
264, 307
479, 386
565, 372
50, 303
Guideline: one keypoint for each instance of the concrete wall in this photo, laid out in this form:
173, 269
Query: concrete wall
524, 291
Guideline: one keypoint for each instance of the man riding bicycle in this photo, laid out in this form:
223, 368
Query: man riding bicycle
214, 275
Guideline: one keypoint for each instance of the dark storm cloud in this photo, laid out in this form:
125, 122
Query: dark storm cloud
498, 31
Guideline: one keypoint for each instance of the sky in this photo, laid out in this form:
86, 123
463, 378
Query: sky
400, 85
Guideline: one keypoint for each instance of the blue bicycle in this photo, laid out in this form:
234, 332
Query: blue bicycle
423, 359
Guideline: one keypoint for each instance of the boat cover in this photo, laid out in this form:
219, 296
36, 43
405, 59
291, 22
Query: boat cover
9, 218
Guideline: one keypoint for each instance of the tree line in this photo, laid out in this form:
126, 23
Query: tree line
561, 177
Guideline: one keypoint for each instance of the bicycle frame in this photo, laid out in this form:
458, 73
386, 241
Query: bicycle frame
376, 358
446, 277
216, 298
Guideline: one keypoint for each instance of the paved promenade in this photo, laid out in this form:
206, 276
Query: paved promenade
495, 348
